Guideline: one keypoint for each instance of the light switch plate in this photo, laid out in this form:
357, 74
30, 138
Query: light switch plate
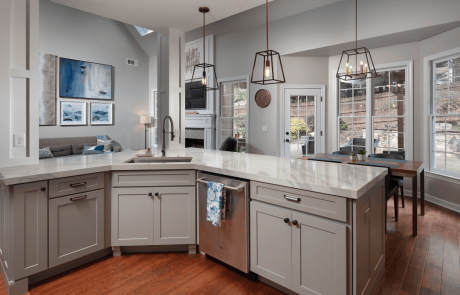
19, 140
264, 128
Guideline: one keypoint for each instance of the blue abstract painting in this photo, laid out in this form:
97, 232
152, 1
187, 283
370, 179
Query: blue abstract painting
101, 113
81, 79
73, 113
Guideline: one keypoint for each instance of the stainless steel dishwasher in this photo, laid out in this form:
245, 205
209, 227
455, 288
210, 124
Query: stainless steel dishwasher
230, 242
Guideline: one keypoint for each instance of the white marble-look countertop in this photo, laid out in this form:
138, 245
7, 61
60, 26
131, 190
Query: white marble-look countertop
348, 181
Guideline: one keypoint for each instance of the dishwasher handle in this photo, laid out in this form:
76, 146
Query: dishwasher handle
232, 188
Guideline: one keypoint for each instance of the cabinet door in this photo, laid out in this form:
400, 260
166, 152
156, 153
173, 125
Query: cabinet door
319, 259
271, 243
132, 216
76, 226
175, 215
30, 229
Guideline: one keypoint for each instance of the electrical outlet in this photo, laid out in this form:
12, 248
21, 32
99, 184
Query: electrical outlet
264, 128
19, 140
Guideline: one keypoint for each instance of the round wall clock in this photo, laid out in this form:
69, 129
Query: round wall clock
263, 98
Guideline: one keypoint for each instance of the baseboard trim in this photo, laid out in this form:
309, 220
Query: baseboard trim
437, 201
18, 287
277, 286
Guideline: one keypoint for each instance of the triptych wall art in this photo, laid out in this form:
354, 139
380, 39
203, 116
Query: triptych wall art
77, 80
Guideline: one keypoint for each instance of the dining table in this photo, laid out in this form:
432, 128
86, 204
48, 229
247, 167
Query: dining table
404, 168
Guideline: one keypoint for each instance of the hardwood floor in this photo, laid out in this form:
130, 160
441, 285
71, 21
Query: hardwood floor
428, 264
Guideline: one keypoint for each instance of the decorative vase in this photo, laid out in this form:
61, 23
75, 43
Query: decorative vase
361, 157
353, 158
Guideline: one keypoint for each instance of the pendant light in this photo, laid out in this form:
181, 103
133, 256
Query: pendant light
204, 67
268, 73
366, 68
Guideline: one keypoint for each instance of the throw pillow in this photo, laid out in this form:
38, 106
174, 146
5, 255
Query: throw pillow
61, 150
45, 153
77, 149
91, 150
106, 143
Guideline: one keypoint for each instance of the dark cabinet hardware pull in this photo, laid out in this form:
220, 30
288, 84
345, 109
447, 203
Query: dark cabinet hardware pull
77, 184
295, 222
157, 194
286, 220
150, 194
295, 199
43, 189
78, 198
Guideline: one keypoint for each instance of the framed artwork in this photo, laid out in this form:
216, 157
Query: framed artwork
82, 79
101, 113
73, 113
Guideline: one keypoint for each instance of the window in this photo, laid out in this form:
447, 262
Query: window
234, 110
143, 31
445, 116
352, 118
376, 114
389, 112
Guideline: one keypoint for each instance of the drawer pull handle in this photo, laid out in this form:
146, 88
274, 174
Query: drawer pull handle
295, 199
295, 222
77, 184
78, 198
286, 220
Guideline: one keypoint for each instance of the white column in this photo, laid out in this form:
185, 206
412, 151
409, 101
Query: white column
171, 85
19, 51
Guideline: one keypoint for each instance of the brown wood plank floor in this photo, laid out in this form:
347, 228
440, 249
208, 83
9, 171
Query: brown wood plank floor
428, 264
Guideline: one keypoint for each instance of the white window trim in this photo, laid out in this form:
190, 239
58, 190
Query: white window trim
428, 61
409, 136
283, 89
218, 109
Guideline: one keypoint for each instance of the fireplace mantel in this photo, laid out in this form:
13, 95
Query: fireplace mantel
207, 122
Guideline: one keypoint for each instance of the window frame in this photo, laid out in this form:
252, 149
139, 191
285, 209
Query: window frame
219, 118
409, 113
430, 99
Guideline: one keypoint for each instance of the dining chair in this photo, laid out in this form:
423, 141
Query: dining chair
391, 189
398, 179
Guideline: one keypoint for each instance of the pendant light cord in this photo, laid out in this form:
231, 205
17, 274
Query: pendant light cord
204, 35
266, 10
356, 35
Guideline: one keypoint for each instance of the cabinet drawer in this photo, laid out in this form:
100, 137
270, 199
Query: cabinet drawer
301, 200
153, 178
75, 185
76, 226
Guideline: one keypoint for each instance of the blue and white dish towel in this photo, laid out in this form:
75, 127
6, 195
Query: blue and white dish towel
216, 203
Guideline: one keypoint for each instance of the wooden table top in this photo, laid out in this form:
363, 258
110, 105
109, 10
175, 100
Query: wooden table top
408, 169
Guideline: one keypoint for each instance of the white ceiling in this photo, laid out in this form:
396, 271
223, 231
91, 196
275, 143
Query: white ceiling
159, 15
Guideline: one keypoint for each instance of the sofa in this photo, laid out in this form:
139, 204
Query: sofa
71, 146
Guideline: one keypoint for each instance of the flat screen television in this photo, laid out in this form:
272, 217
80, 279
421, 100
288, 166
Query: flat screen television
194, 99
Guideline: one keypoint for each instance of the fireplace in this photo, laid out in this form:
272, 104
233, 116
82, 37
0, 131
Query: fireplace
194, 138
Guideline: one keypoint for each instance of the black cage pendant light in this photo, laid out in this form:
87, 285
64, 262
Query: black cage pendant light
267, 57
366, 68
204, 67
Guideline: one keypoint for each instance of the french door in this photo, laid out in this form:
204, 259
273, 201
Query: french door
302, 122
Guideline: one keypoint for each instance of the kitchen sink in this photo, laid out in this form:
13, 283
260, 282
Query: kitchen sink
160, 160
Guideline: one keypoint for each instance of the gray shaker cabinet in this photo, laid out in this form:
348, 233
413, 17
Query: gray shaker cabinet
319, 255
132, 216
174, 215
76, 226
298, 251
271, 242
30, 204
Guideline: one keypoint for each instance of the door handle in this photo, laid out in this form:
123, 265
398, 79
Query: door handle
78, 198
78, 184
287, 140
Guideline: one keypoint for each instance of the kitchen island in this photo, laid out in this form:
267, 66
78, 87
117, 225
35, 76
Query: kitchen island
65, 212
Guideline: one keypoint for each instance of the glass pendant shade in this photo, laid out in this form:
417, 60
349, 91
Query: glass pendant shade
365, 69
266, 59
203, 70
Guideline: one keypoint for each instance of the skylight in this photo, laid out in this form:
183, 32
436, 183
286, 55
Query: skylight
143, 31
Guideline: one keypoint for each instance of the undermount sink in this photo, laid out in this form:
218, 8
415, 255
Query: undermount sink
160, 160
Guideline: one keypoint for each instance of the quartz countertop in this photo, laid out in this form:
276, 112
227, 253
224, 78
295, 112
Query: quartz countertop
337, 179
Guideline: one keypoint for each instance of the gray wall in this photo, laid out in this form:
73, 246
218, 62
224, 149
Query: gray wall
71, 33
